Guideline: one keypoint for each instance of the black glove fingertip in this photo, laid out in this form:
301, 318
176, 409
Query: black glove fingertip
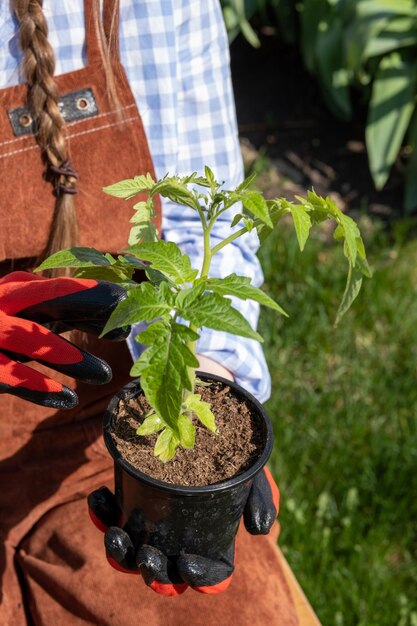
151, 562
90, 369
199, 571
104, 506
95, 370
259, 522
260, 512
119, 547
154, 565
64, 399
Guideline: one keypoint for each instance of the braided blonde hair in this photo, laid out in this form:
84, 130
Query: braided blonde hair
38, 67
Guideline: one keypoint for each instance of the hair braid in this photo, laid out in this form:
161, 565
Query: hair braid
39, 67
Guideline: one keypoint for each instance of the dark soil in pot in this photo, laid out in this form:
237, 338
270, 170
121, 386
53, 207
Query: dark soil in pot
215, 457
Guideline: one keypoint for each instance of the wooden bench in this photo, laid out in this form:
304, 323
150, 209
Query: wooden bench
305, 613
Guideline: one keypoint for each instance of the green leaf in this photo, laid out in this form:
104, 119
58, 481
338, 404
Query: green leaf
189, 295
145, 231
156, 277
320, 209
141, 363
256, 204
150, 425
400, 32
232, 23
363, 266
144, 211
156, 333
410, 196
112, 273
166, 373
202, 410
248, 223
391, 107
249, 33
74, 257
166, 258
166, 445
130, 187
202, 383
351, 233
176, 191
133, 261
214, 311
302, 223
311, 16
359, 37
152, 275
143, 304
246, 183
210, 177
194, 179
151, 302
166, 293
186, 431
277, 208
287, 18
237, 218
332, 72
184, 332
239, 286
353, 286
369, 9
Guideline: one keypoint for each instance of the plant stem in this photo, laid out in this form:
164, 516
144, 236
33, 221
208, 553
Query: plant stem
205, 268
207, 254
191, 345
224, 243
202, 216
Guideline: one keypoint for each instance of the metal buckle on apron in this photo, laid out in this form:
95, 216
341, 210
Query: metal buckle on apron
74, 106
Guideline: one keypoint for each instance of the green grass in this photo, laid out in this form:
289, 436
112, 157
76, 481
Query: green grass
344, 406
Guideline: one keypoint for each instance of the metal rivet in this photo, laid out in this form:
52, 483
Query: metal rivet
82, 104
25, 120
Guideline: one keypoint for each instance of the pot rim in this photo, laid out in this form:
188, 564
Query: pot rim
127, 391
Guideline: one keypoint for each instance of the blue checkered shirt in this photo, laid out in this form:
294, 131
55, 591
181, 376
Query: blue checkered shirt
176, 56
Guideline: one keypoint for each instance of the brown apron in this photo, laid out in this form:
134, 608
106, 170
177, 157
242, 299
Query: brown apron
52, 565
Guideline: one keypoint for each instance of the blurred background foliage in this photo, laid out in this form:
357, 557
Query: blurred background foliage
344, 408
360, 51
344, 399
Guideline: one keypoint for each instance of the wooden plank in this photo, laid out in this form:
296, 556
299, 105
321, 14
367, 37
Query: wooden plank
305, 613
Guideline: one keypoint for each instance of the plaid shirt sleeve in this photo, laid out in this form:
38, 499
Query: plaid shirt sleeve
207, 135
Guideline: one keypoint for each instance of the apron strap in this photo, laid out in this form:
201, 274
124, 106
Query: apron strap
110, 23
92, 40
111, 12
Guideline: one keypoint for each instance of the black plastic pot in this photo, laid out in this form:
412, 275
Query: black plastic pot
177, 519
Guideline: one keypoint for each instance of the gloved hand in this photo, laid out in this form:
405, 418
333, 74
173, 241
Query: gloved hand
164, 575
30, 303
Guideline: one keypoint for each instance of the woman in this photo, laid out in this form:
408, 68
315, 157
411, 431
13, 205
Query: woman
81, 131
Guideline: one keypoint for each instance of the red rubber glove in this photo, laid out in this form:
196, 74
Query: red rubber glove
28, 304
169, 577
